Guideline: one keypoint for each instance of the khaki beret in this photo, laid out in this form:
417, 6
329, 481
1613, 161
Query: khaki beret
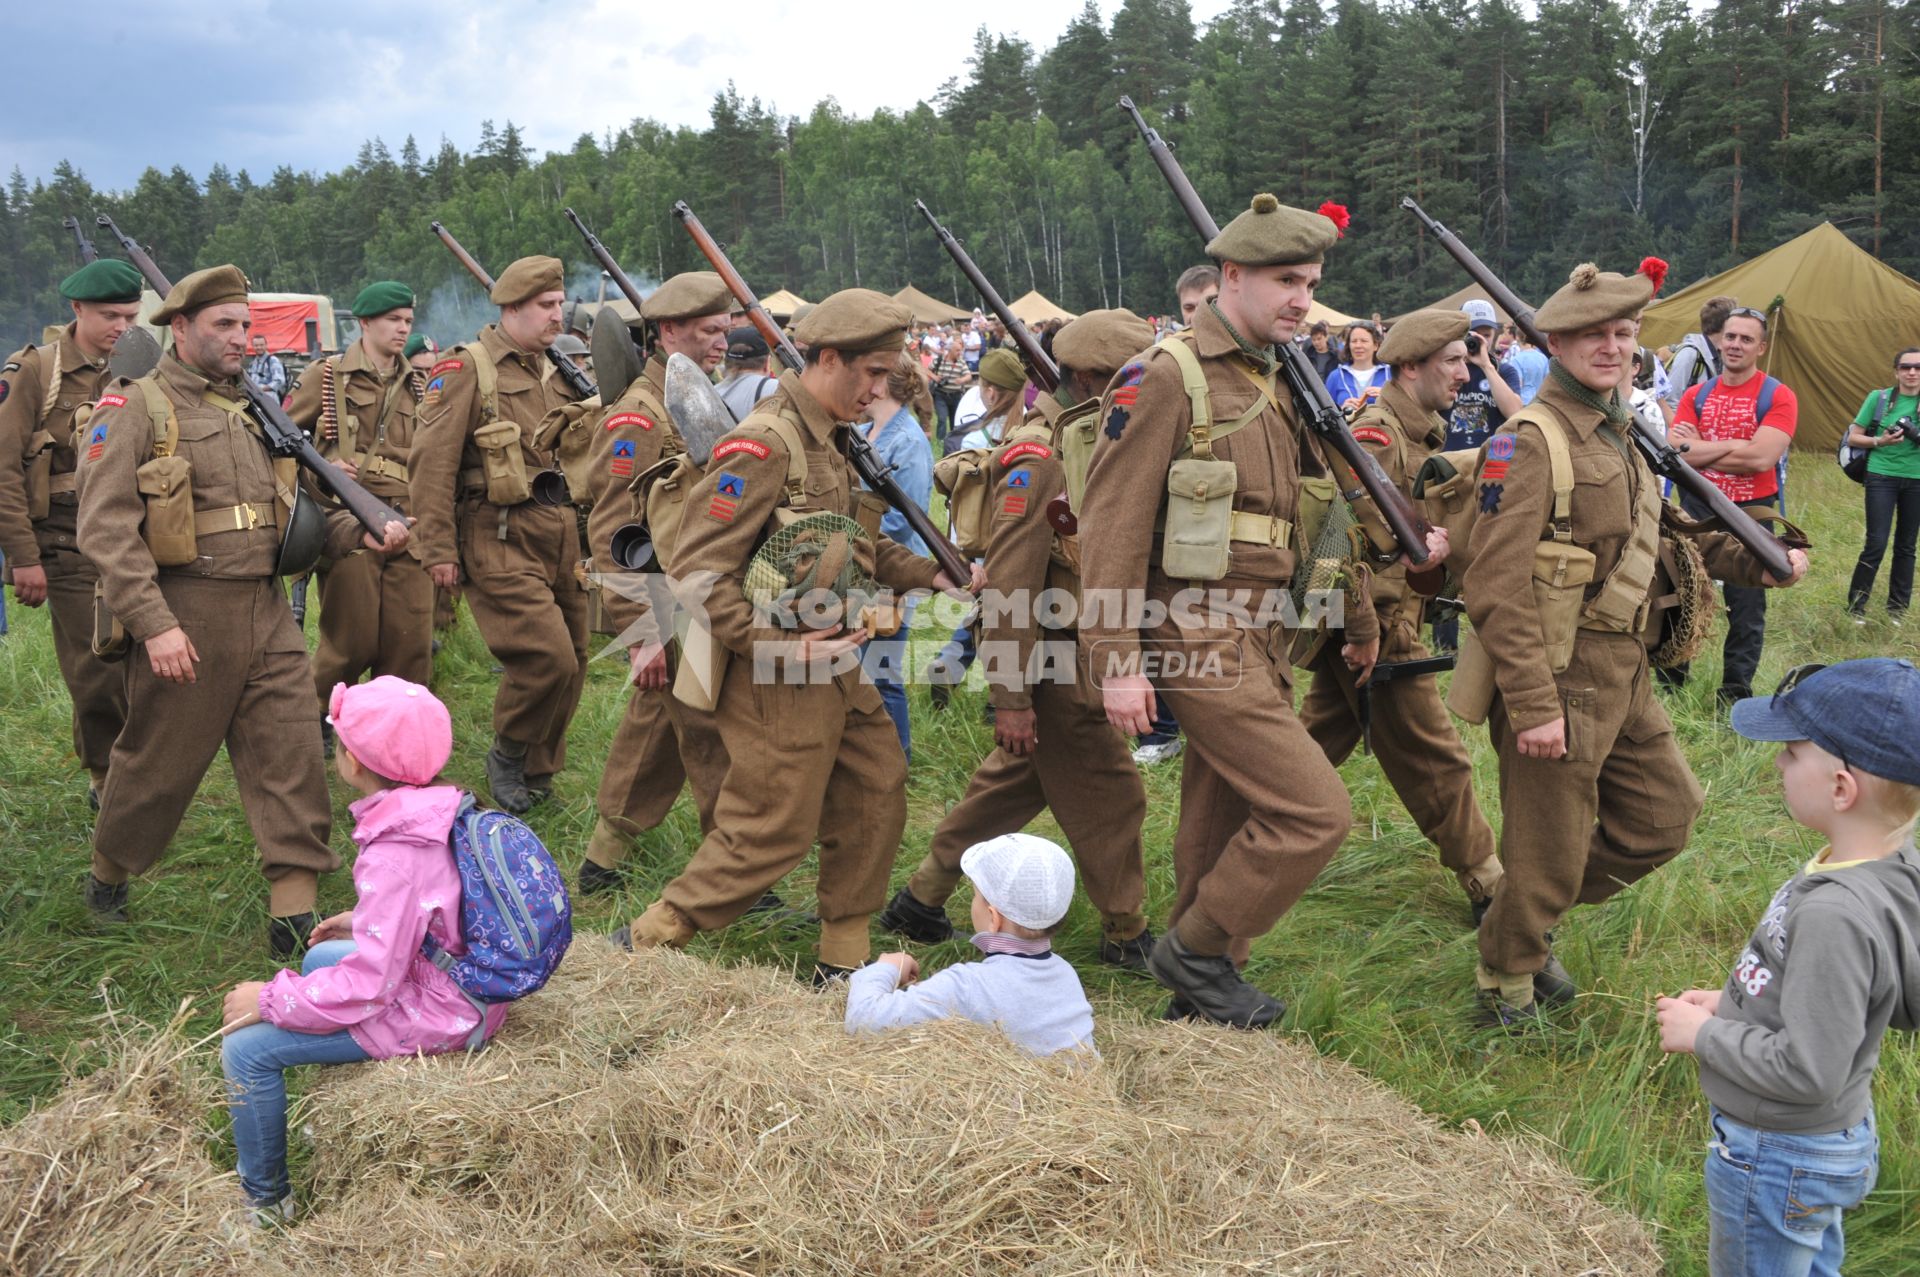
526, 279
688, 296
1001, 367
1270, 233
1422, 334
378, 299
1100, 342
856, 320
106, 280
210, 287
1593, 296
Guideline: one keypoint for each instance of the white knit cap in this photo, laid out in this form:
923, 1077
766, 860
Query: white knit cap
1027, 879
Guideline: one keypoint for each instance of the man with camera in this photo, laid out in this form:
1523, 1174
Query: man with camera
1735, 427
1888, 427
1492, 392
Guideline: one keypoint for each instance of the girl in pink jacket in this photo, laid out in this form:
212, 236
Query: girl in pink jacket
374, 995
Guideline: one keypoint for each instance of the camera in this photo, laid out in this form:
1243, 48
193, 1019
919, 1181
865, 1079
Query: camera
1907, 428
1473, 345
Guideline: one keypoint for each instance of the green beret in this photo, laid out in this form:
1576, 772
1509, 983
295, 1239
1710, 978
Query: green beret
213, 286
417, 343
1270, 233
1593, 296
1422, 334
106, 280
526, 279
688, 296
856, 320
378, 299
1001, 367
1100, 342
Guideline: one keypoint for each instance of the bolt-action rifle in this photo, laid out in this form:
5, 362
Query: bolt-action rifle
581, 384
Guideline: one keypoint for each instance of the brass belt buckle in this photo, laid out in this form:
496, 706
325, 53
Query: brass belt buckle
252, 517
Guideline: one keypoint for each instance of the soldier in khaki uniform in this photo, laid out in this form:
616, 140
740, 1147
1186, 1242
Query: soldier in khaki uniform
1262, 811
217, 659
1416, 742
818, 756
376, 610
525, 583
1056, 748
661, 740
1595, 792
40, 390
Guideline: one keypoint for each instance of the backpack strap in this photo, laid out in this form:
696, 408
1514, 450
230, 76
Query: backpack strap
50, 361
1559, 467
166, 427
1201, 432
487, 378
1764, 404
1700, 392
789, 435
1880, 411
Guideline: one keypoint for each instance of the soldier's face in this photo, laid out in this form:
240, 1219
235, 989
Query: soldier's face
1441, 377
702, 339
214, 338
854, 383
99, 324
1268, 302
1600, 356
1193, 299
536, 322
387, 334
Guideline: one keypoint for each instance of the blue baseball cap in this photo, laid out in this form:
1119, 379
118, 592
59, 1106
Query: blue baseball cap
1866, 712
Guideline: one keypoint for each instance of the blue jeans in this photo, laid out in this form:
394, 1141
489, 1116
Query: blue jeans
1775, 1198
1166, 728
884, 660
255, 1060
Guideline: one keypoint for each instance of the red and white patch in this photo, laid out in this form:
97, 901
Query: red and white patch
1374, 434
721, 510
1494, 470
445, 365
733, 447
1029, 449
112, 401
1014, 503
620, 420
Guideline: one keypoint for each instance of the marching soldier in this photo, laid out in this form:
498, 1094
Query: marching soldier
189, 571
1594, 791
1261, 808
661, 740
1416, 742
376, 610
473, 465
810, 747
40, 390
1056, 748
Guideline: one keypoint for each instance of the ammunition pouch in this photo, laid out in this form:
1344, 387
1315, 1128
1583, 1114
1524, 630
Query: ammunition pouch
1196, 540
503, 463
1561, 573
169, 528
566, 435
39, 475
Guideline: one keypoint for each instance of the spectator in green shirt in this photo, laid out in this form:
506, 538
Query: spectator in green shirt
1889, 424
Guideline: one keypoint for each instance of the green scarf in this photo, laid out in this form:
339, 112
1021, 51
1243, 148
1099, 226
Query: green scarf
1262, 358
1609, 407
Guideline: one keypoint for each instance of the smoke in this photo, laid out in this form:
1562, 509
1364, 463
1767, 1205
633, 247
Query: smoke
457, 308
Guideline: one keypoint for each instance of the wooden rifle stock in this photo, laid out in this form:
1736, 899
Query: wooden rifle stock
1310, 395
874, 472
1661, 457
1040, 366
284, 439
577, 381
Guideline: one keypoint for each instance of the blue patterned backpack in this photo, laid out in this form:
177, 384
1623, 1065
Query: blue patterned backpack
515, 916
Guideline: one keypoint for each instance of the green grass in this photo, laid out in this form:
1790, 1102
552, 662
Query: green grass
1376, 961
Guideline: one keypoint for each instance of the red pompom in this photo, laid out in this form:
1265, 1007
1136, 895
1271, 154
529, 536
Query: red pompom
1654, 269
1337, 214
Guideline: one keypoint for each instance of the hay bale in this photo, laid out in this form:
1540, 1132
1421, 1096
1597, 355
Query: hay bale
660, 1114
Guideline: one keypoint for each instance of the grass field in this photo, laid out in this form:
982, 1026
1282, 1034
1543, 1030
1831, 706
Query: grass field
1376, 962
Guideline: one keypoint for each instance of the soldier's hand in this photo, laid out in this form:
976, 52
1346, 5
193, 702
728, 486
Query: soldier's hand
826, 646
1549, 740
1130, 703
30, 586
172, 655
1439, 546
242, 1006
976, 582
1361, 658
1797, 559
1015, 731
396, 539
348, 468
649, 665
445, 575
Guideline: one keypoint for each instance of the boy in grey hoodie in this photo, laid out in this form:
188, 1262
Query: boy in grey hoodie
1788, 1047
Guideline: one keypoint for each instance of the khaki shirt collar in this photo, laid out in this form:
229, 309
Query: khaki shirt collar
72, 358
190, 382
1211, 339
1578, 416
495, 343
1412, 416
818, 421
355, 360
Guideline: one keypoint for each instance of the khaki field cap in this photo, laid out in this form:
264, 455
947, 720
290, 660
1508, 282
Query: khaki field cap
210, 287
1002, 368
1270, 233
1593, 296
1100, 342
687, 296
106, 280
856, 321
526, 279
1422, 334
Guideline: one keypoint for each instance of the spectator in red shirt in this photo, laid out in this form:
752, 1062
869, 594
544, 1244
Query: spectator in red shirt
1736, 428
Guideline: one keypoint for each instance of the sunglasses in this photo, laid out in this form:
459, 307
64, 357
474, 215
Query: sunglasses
1748, 312
1906, 367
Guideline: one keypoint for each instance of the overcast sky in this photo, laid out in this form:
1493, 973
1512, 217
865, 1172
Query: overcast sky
259, 83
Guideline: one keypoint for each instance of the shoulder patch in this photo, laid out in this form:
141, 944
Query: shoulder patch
619, 419
1128, 391
1490, 497
1373, 434
621, 466
96, 441
112, 401
1015, 504
732, 447
1500, 448
1020, 479
728, 490
445, 366
1027, 449
731, 485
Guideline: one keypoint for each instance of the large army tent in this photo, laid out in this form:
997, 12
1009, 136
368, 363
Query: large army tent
930, 310
1841, 318
782, 304
1034, 309
1454, 301
1317, 313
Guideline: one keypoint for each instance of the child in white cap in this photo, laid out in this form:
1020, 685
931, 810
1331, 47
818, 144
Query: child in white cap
1022, 886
